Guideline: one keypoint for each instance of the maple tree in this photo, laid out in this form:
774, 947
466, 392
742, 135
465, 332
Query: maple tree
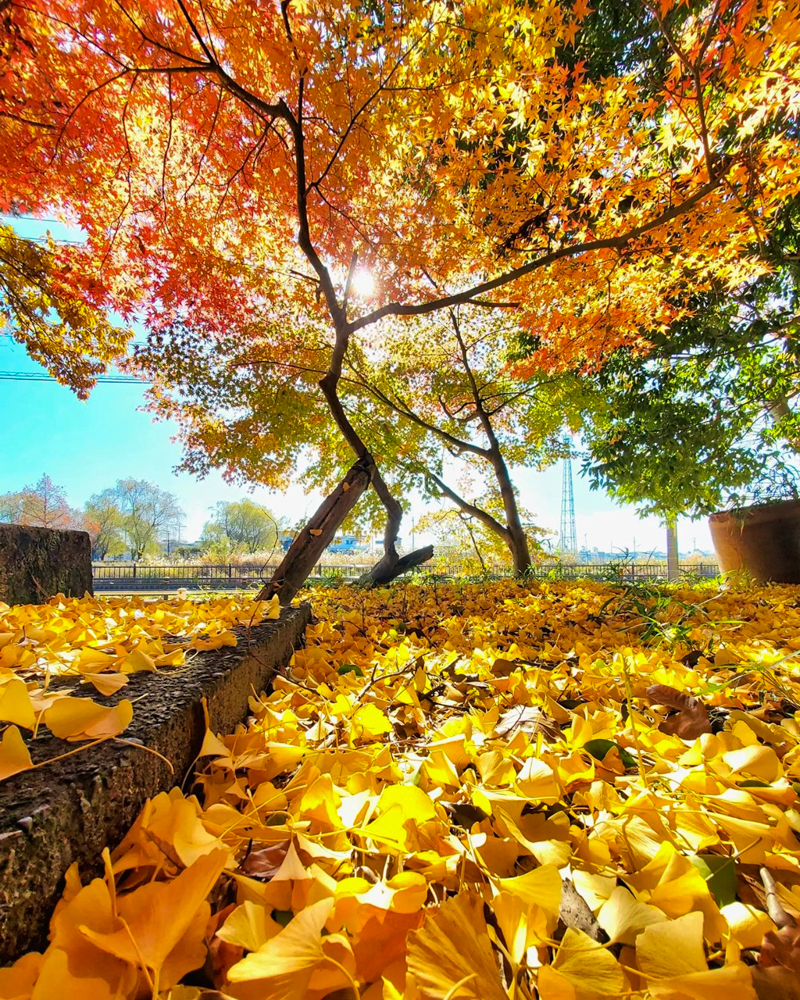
43, 504
216, 156
443, 393
44, 307
462, 410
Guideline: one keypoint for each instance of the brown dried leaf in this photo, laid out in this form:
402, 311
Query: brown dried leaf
781, 948
264, 863
775, 983
692, 718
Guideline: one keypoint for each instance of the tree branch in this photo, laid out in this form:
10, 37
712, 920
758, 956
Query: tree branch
611, 243
478, 513
405, 411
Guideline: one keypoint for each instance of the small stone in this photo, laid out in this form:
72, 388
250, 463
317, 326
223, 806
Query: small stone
26, 822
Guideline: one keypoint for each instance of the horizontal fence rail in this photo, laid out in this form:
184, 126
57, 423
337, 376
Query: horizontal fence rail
626, 572
194, 576
109, 576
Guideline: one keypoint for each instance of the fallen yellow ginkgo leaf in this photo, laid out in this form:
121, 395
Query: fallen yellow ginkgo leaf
15, 704
582, 970
81, 719
14, 755
450, 955
163, 923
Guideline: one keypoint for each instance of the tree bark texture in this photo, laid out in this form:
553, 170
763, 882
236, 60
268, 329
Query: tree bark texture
304, 552
391, 565
673, 570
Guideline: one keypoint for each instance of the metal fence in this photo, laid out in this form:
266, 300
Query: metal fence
624, 572
191, 576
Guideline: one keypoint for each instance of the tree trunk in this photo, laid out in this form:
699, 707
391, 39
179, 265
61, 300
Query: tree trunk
673, 570
389, 569
512, 533
517, 540
304, 552
391, 565
777, 409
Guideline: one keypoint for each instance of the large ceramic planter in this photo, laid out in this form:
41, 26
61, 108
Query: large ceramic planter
762, 541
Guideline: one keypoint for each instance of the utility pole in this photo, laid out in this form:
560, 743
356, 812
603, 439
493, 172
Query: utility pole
178, 526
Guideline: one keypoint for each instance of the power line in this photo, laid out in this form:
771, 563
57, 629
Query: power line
44, 377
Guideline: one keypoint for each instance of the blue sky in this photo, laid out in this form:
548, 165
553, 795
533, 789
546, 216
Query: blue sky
87, 446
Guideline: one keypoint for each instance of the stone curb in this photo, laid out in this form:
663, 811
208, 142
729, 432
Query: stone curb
71, 809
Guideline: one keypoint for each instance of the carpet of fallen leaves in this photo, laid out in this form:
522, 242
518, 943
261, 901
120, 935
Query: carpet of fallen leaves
569, 791
100, 642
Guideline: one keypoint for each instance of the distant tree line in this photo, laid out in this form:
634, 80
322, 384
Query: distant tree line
139, 519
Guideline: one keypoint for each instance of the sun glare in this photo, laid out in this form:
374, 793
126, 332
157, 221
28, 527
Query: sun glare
363, 284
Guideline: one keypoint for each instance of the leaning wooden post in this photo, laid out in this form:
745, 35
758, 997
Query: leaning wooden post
305, 551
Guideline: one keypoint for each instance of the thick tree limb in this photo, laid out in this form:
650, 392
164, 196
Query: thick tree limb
386, 570
304, 552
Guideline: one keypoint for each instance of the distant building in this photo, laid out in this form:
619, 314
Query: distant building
340, 544
347, 543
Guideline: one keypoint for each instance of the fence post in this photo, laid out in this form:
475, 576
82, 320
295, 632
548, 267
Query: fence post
134, 571
230, 571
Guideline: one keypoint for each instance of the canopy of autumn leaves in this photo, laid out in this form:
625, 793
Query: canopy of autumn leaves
214, 154
473, 792
45, 305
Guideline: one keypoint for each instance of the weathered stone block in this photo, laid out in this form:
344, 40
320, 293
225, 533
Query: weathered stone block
36, 563
71, 809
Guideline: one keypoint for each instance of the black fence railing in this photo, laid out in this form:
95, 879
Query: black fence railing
626, 572
110, 576
194, 576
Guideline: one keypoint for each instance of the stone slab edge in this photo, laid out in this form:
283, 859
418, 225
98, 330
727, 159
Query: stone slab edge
70, 810
37, 563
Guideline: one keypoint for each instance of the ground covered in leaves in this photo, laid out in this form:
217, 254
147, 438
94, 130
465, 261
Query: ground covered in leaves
565, 790
48, 650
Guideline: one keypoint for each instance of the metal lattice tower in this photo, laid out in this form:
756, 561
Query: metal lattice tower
568, 538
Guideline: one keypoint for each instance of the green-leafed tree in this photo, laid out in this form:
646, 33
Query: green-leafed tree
104, 522
247, 526
705, 419
145, 511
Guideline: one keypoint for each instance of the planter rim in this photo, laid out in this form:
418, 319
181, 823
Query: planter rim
756, 509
